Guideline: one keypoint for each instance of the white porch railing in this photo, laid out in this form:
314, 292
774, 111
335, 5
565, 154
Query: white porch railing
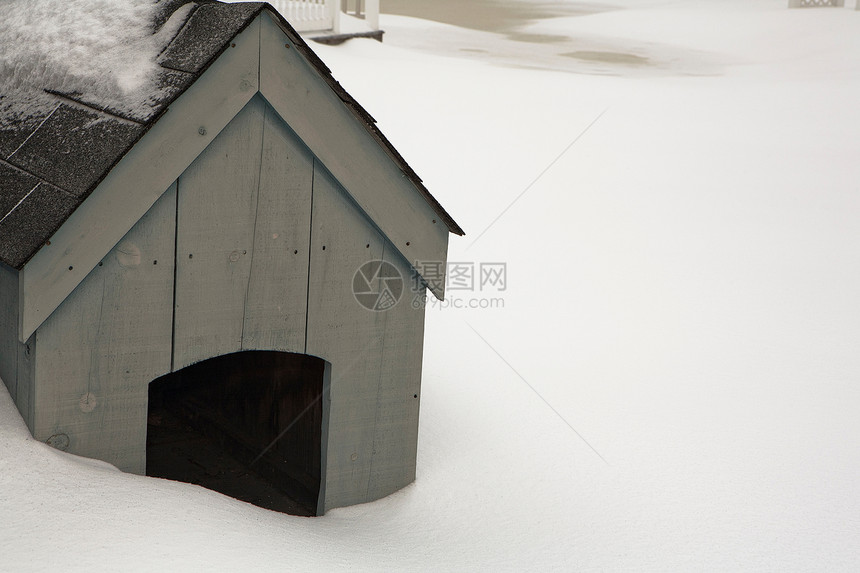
310, 15
816, 3
324, 15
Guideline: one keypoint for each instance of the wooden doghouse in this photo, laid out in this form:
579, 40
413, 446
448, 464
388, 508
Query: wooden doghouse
215, 244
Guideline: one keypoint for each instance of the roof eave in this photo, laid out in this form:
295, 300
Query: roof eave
362, 115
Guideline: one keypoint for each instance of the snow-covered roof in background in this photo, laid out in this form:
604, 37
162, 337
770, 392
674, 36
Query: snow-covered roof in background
83, 81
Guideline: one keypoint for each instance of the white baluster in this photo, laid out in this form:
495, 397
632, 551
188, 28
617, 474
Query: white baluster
309, 15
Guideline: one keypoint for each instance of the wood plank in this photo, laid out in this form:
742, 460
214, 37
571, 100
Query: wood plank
96, 355
345, 334
9, 328
356, 160
217, 208
140, 178
15, 364
276, 303
324, 437
395, 440
26, 400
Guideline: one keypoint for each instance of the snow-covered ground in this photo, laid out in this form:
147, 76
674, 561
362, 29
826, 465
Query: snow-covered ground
673, 381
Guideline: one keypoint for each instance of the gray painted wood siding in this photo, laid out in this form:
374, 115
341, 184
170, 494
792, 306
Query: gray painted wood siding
217, 207
9, 328
15, 363
395, 437
297, 244
96, 354
242, 243
345, 334
375, 356
276, 302
263, 243
25, 399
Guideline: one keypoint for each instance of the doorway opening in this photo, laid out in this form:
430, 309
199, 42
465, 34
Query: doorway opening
248, 425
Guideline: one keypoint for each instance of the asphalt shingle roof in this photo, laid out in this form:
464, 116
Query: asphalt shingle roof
52, 157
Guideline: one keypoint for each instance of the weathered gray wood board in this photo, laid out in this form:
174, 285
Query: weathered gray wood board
217, 207
242, 243
276, 302
343, 145
346, 335
25, 398
375, 356
15, 366
395, 438
140, 178
96, 354
9, 328
324, 439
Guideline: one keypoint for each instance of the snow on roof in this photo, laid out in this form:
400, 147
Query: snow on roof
104, 49
83, 80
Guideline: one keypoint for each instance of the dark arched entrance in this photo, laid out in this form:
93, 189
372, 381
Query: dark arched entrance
248, 425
